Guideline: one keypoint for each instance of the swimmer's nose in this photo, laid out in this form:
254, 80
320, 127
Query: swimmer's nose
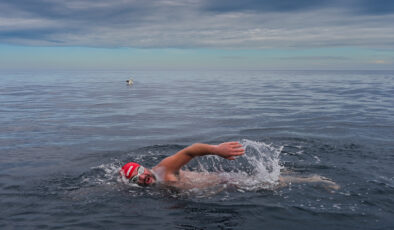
141, 179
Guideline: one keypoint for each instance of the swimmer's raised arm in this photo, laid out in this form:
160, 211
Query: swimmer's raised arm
227, 150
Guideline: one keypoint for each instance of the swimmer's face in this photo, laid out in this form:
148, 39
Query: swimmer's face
143, 177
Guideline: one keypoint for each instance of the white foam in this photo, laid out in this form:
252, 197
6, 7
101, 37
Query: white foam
258, 168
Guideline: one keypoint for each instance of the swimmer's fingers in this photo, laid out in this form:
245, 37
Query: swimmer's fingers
235, 144
238, 149
229, 150
238, 152
235, 153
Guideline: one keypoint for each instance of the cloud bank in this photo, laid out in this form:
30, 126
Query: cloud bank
247, 24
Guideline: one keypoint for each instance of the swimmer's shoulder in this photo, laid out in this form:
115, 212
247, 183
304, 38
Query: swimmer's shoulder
171, 177
166, 175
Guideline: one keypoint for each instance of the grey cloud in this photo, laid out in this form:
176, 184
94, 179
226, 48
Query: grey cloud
85, 11
263, 5
315, 58
354, 6
193, 23
374, 7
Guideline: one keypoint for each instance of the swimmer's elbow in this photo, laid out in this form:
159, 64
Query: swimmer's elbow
199, 149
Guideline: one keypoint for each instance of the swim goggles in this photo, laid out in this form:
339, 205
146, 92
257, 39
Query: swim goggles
140, 171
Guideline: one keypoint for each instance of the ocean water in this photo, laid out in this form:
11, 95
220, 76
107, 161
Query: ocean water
65, 134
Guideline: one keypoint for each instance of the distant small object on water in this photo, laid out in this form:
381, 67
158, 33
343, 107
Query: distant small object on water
130, 82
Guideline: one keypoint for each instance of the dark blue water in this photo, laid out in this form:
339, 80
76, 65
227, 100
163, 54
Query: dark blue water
64, 135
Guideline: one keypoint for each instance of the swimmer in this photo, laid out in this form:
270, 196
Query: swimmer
168, 171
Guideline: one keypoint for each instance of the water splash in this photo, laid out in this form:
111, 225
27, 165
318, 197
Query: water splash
102, 174
264, 160
258, 168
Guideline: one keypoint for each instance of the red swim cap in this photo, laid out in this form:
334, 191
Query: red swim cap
128, 169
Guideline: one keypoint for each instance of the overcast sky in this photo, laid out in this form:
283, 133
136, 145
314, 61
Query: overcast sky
212, 34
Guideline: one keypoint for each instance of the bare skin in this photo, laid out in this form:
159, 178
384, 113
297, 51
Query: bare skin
172, 165
169, 172
285, 180
169, 169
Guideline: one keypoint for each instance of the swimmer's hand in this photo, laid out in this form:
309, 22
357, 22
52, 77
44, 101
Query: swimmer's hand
229, 150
